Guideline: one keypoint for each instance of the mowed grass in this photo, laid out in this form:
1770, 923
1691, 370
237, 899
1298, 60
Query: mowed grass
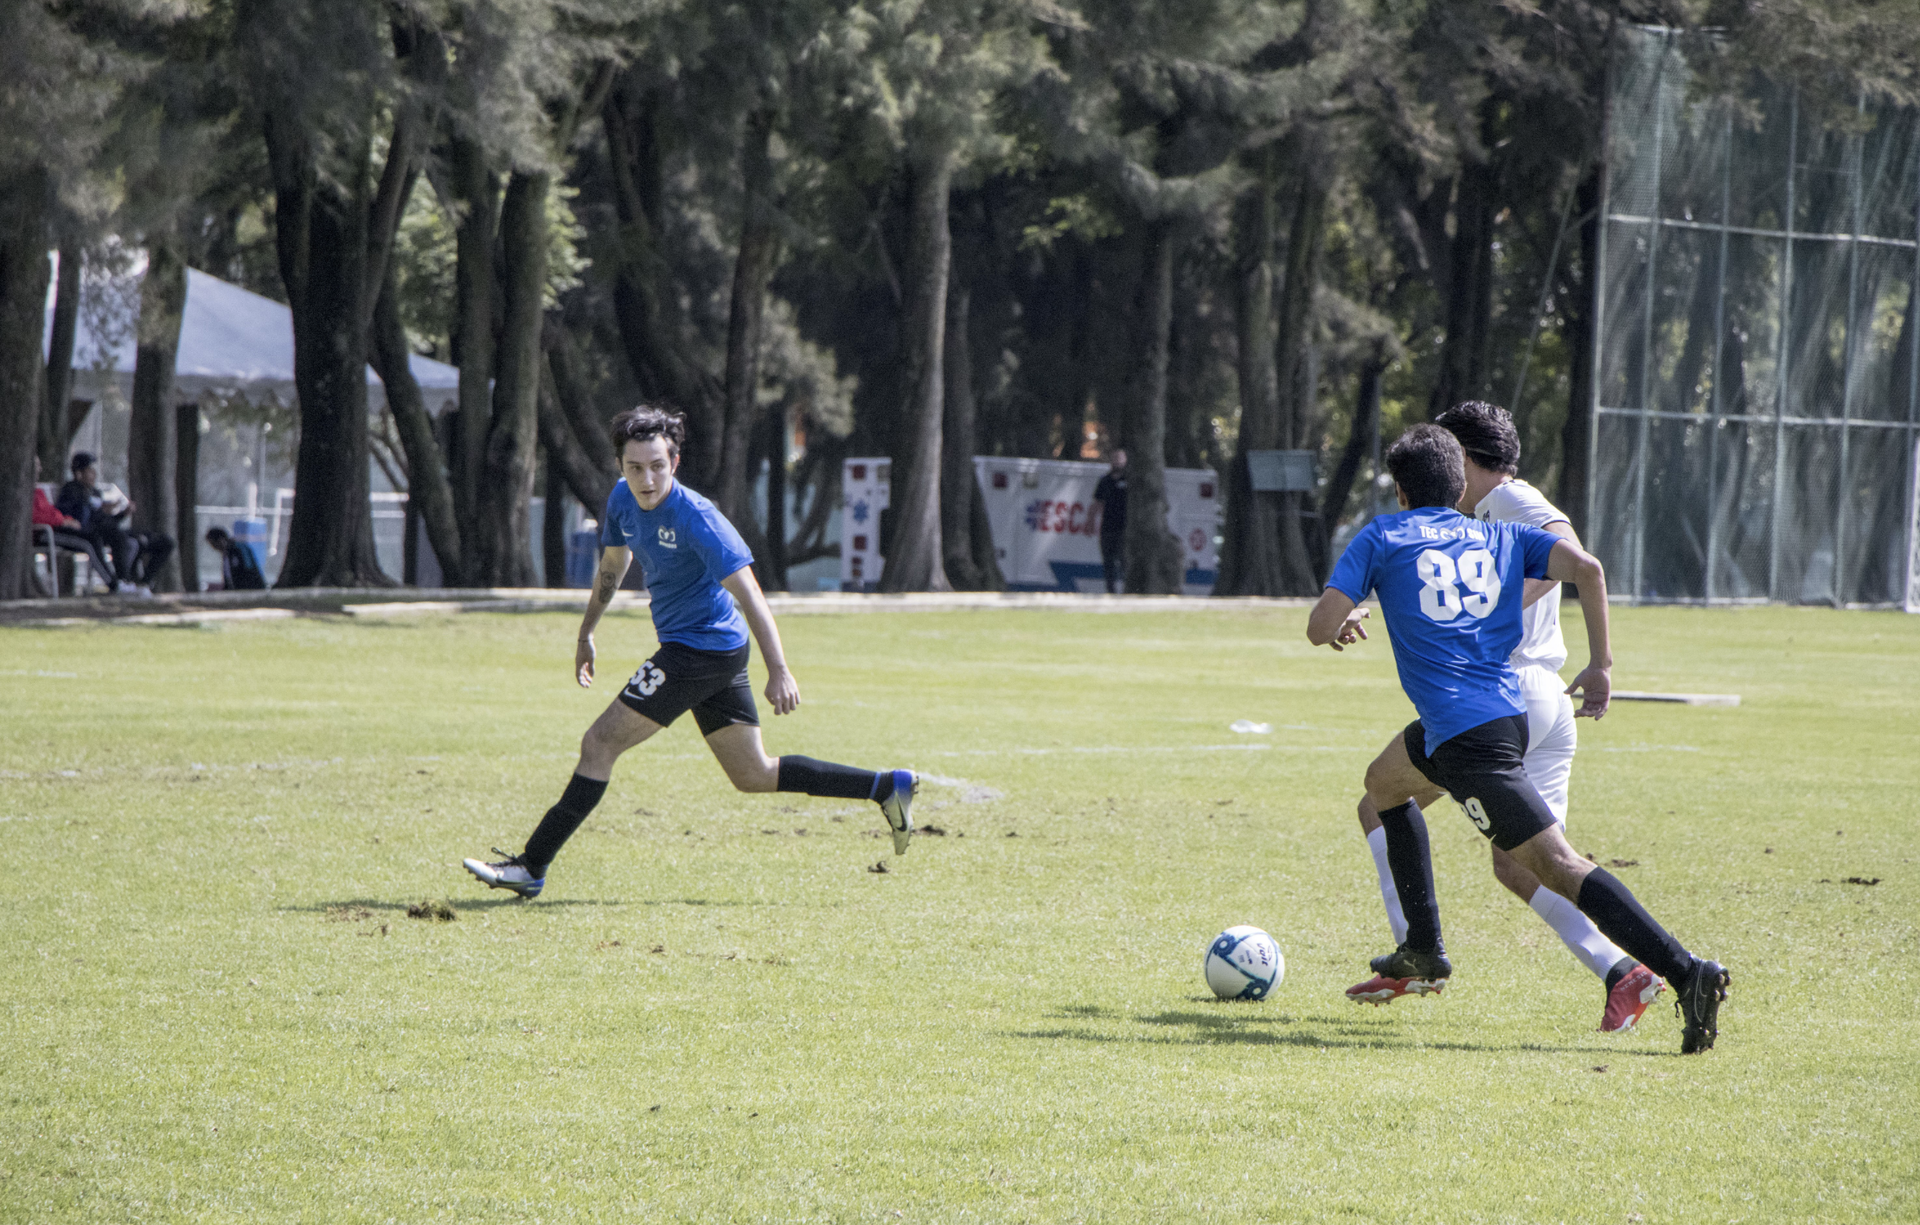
214, 1007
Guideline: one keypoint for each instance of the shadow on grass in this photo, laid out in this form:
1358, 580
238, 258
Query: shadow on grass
485, 903
1233, 1024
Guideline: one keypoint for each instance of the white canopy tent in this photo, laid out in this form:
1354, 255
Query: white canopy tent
235, 345
232, 342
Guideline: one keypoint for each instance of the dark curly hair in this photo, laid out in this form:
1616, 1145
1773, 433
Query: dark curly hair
1486, 433
644, 421
1425, 463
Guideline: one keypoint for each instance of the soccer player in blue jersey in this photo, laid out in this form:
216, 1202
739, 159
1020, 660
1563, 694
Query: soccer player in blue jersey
1450, 592
1494, 491
705, 601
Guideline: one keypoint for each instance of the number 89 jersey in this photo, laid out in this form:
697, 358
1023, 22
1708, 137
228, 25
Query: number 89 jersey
1450, 591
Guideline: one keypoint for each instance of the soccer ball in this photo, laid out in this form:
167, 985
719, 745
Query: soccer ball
1243, 963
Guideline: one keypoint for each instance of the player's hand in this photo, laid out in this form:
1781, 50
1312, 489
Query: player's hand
783, 692
1595, 689
583, 656
1351, 631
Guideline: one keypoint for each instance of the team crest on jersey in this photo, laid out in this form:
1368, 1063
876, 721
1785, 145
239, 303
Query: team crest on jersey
667, 539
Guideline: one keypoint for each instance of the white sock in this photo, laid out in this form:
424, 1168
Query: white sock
1396, 918
1594, 950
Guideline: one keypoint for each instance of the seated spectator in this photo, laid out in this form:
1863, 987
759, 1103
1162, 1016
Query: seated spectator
66, 532
238, 569
102, 512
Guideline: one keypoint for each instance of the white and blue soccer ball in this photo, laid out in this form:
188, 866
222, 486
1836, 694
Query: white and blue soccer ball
1243, 963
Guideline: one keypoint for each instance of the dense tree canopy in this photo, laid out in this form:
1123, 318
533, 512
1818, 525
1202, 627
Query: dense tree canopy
925, 229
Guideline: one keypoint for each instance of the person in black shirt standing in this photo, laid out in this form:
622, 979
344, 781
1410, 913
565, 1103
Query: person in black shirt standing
1111, 493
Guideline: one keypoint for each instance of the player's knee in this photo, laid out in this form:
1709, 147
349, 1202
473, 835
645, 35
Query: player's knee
1368, 813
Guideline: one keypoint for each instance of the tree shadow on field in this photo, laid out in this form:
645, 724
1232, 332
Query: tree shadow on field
1233, 1023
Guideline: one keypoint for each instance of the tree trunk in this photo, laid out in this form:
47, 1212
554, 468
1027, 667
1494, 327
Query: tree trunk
1366, 417
553, 527
957, 483
774, 555
752, 269
1575, 434
590, 481
476, 191
576, 405
321, 238
914, 553
1250, 548
646, 308
26, 201
429, 491
54, 434
1155, 560
186, 493
152, 446
507, 486
1294, 372
1465, 351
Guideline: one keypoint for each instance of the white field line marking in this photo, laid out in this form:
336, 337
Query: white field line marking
1159, 748
970, 793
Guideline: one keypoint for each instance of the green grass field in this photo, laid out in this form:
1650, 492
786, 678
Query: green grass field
214, 1007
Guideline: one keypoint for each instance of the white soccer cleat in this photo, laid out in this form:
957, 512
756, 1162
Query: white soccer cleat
898, 808
510, 874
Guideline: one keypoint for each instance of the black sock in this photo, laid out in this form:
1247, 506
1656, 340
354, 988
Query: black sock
1621, 969
562, 819
1412, 865
1623, 920
813, 777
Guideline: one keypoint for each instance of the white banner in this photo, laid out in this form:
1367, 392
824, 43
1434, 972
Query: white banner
1045, 522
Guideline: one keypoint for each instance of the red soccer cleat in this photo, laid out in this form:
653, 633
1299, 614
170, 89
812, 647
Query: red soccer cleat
1630, 999
1382, 990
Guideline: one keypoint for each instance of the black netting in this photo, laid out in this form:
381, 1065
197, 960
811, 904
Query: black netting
1756, 382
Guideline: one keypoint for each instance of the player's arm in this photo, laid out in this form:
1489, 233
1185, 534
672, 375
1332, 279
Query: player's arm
1537, 587
1335, 621
614, 560
782, 690
1569, 563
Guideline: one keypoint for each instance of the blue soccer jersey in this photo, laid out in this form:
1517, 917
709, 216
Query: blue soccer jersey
685, 547
1450, 592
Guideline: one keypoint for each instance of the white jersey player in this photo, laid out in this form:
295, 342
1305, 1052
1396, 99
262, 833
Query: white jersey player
1492, 445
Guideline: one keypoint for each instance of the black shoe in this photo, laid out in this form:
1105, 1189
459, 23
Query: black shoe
1700, 995
1428, 968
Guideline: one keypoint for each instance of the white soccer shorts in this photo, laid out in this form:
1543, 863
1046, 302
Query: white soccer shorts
1551, 736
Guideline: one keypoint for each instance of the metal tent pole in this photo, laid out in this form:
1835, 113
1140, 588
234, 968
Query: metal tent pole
1719, 356
1851, 350
1782, 350
1646, 333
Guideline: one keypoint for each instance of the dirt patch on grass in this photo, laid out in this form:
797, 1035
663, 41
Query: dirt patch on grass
435, 910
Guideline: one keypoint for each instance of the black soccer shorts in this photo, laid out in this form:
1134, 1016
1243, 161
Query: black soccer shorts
1484, 768
712, 684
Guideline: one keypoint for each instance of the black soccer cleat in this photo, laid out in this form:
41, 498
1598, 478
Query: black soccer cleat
1427, 972
512, 874
1698, 1002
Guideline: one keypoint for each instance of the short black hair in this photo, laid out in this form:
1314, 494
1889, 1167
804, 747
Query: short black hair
644, 421
1486, 433
82, 460
217, 534
1425, 463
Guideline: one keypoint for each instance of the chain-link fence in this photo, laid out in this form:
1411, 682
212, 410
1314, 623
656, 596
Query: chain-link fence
1757, 404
